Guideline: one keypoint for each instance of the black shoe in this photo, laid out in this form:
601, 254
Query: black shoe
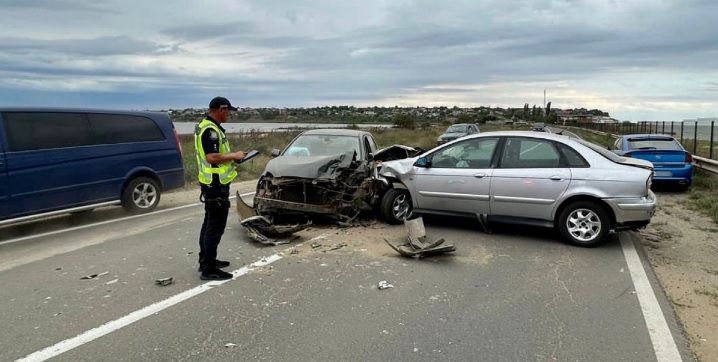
215, 274
218, 264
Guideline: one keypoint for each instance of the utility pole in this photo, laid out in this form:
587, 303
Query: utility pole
544, 99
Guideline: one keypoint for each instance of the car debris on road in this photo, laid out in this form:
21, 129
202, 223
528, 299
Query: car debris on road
416, 245
164, 281
93, 276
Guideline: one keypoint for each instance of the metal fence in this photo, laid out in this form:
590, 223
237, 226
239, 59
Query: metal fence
698, 137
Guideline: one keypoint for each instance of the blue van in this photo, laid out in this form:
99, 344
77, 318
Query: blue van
55, 161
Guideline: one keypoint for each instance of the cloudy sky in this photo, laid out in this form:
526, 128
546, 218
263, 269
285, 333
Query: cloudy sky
636, 59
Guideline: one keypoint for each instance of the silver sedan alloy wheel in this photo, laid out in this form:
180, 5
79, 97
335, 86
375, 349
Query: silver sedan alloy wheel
584, 225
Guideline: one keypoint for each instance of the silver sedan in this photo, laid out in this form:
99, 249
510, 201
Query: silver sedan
524, 177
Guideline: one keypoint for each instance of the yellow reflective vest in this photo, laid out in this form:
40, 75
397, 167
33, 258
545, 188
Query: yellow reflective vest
226, 171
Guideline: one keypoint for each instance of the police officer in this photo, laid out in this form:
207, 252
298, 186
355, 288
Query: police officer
216, 167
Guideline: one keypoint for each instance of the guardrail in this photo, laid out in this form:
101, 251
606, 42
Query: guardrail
706, 164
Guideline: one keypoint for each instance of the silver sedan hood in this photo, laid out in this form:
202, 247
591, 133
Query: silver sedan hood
397, 168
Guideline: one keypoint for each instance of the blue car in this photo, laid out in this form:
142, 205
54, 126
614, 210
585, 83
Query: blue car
56, 161
671, 161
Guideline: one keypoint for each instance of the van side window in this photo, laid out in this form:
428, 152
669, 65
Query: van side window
35, 130
112, 128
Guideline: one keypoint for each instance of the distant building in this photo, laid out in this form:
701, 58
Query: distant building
573, 117
604, 119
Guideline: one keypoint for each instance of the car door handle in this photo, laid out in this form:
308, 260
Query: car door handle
480, 175
556, 178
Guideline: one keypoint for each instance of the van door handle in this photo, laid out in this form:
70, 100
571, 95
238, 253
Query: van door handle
480, 175
556, 178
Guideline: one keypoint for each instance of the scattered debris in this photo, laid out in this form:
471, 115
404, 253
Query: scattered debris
293, 251
416, 246
93, 276
113, 281
315, 245
384, 285
230, 345
337, 246
164, 281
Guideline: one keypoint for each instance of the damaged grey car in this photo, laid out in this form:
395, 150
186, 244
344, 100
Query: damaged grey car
331, 173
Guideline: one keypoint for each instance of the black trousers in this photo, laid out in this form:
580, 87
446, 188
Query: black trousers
216, 210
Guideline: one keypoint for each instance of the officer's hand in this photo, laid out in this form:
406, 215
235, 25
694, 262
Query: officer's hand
240, 155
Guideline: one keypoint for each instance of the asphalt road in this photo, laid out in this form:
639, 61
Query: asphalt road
514, 295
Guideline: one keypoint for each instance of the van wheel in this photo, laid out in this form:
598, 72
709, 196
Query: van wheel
141, 195
583, 223
396, 206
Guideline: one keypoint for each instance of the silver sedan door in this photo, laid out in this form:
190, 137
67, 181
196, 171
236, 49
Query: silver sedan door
529, 180
458, 177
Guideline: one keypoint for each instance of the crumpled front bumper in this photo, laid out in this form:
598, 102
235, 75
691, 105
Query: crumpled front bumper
261, 230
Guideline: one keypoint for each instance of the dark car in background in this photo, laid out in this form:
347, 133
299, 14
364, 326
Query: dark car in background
456, 131
672, 163
540, 127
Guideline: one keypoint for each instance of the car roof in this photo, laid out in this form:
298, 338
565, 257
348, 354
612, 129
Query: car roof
461, 124
335, 132
532, 134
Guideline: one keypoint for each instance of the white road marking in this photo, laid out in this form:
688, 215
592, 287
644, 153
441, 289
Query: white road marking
50, 233
661, 337
138, 315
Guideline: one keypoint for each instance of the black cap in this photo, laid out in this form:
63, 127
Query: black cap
220, 102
